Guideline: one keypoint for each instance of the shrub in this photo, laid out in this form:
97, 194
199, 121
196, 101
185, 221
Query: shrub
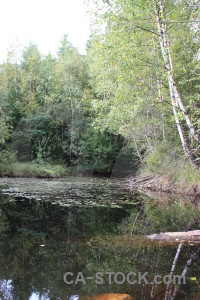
168, 161
31, 169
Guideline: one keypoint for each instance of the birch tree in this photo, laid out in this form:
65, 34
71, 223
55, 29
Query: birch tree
136, 62
176, 100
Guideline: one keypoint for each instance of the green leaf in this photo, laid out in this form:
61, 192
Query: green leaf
193, 278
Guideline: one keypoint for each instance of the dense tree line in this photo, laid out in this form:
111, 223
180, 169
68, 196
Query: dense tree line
137, 87
146, 67
47, 112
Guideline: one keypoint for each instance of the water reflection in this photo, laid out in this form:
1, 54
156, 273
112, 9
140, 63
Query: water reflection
36, 296
42, 240
74, 297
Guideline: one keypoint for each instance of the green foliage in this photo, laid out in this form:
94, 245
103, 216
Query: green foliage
78, 110
99, 150
4, 130
127, 71
172, 216
167, 161
32, 170
30, 80
51, 110
162, 215
4, 136
6, 157
161, 157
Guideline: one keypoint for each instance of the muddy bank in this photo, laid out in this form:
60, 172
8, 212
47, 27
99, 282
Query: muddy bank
161, 184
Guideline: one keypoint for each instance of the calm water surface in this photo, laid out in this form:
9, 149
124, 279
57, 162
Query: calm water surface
50, 227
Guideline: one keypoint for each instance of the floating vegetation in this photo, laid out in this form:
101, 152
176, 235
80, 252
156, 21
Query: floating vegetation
75, 191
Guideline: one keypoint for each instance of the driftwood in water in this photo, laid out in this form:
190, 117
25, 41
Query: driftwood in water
185, 236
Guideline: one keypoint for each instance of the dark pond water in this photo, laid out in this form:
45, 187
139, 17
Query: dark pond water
83, 226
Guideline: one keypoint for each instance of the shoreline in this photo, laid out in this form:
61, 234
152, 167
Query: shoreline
153, 184
159, 184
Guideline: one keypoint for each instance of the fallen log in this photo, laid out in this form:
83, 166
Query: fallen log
185, 236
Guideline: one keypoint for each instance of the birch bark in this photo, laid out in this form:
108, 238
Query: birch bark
177, 103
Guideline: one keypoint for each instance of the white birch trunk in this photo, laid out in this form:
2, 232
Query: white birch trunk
162, 110
176, 100
173, 268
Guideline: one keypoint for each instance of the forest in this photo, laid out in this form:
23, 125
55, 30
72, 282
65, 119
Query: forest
131, 104
100, 153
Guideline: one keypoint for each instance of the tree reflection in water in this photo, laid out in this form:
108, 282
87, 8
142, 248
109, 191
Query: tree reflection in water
40, 242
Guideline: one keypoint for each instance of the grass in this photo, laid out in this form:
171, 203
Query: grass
30, 169
169, 162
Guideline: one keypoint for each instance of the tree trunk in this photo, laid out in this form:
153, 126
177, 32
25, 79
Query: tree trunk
176, 100
173, 268
162, 110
